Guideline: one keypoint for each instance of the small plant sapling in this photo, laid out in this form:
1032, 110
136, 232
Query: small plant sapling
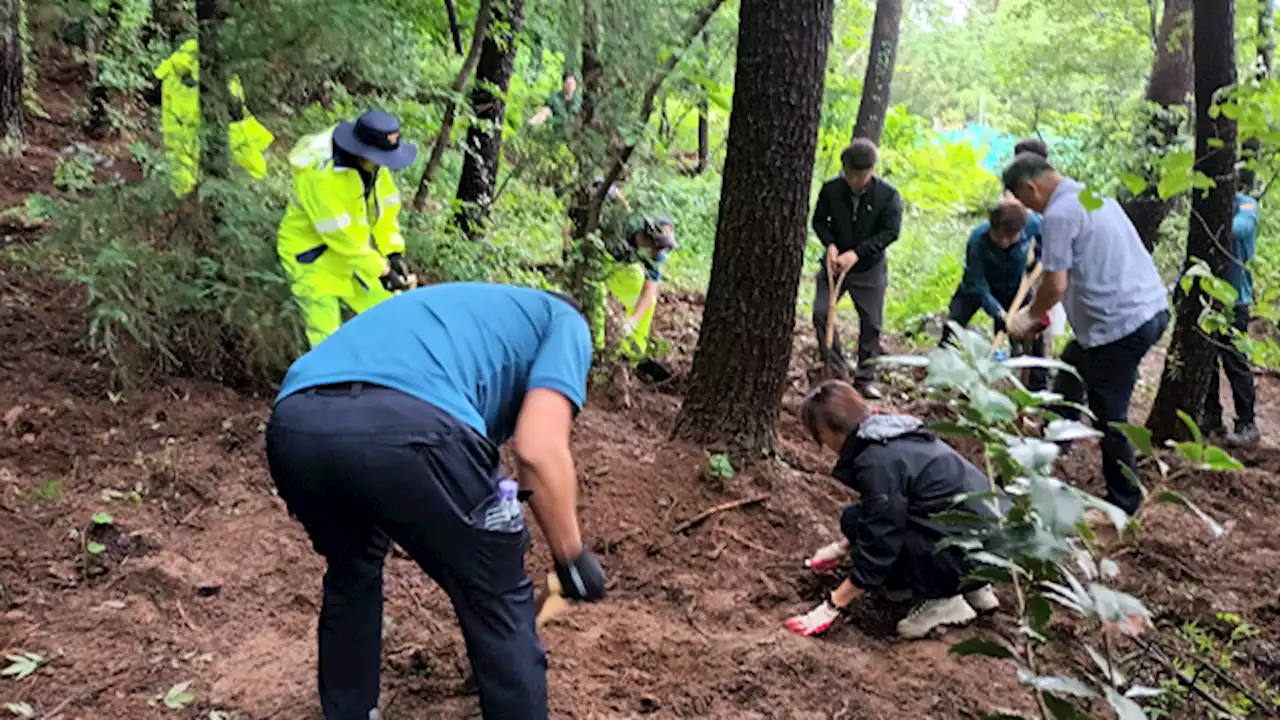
719, 466
22, 665
178, 697
20, 709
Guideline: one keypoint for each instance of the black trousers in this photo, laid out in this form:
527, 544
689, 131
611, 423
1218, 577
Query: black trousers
964, 306
929, 573
867, 289
1110, 372
1239, 375
362, 465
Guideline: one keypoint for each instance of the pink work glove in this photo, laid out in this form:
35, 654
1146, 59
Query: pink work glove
828, 556
814, 622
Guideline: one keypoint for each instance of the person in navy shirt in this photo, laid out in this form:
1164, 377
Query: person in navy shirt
994, 266
1244, 230
389, 429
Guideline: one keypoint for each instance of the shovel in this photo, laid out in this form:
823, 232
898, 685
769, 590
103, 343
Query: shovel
1025, 287
834, 284
547, 606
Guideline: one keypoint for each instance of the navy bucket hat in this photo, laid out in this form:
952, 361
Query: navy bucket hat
375, 136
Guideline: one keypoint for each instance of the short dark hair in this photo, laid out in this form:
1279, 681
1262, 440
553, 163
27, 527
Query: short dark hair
571, 300
834, 405
568, 74
1026, 166
860, 155
1008, 217
1032, 145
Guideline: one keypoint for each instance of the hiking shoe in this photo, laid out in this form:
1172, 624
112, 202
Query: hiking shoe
983, 599
868, 391
932, 614
1246, 435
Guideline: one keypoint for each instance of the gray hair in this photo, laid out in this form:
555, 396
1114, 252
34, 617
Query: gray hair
1025, 167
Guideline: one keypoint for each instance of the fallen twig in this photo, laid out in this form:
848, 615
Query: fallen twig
748, 543
723, 507
183, 614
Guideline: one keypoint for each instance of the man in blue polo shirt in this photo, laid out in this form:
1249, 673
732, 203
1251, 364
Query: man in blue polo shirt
1244, 230
390, 429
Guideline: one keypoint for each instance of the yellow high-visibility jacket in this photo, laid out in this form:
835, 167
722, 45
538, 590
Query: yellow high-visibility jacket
333, 240
179, 78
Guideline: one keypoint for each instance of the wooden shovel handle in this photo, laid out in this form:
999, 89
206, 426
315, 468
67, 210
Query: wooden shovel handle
1025, 287
833, 297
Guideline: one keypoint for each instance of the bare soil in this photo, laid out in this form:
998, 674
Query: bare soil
203, 577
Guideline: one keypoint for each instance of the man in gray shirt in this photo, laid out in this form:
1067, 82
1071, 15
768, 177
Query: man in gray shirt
1095, 262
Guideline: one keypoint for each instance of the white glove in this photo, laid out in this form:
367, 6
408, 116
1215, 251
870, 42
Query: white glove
628, 328
828, 556
816, 621
1022, 325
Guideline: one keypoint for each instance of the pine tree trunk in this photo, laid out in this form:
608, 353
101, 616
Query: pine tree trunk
1262, 68
11, 109
1192, 355
704, 112
744, 347
454, 31
1168, 87
877, 86
483, 149
215, 99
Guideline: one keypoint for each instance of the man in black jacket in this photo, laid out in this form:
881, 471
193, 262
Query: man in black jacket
858, 215
905, 476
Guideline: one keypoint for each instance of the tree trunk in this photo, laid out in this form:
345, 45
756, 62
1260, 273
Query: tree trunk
744, 346
704, 111
215, 99
11, 110
483, 151
454, 31
1167, 88
478, 35
1266, 46
98, 123
1192, 355
877, 86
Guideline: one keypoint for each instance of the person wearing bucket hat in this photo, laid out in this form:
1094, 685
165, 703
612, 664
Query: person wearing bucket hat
339, 241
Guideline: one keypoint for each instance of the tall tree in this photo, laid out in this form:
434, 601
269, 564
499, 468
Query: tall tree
704, 110
1167, 89
744, 346
215, 99
454, 31
878, 85
11, 71
1262, 68
483, 150
1192, 354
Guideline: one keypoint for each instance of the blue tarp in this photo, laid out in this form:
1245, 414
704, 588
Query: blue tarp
998, 145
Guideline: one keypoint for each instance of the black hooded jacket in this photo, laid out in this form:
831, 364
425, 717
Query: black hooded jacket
905, 475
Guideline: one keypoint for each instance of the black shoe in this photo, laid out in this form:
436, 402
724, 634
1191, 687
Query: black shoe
868, 390
1246, 435
1213, 430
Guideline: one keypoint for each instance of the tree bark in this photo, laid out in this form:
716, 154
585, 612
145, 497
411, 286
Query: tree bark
744, 346
99, 27
877, 86
454, 31
1262, 69
1192, 355
483, 150
11, 72
451, 106
1167, 90
704, 111
215, 99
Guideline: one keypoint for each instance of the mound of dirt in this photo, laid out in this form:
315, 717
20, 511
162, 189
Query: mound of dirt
205, 578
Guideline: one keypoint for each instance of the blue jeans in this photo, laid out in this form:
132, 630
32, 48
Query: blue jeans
362, 465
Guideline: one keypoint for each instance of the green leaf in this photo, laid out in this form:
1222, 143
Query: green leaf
989, 574
981, 646
1216, 143
1064, 430
953, 429
1191, 425
1109, 671
1215, 458
20, 709
1192, 451
1040, 612
1119, 518
993, 405
1061, 709
1115, 606
1058, 506
103, 518
95, 548
178, 698
957, 517
1142, 691
1133, 183
1090, 200
1035, 456
22, 665
1125, 708
1178, 499
1139, 436
1231, 110
1030, 361
1056, 684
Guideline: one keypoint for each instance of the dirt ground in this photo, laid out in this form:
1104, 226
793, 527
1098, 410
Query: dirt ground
203, 578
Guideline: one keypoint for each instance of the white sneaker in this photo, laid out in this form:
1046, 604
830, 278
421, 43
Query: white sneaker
931, 614
983, 599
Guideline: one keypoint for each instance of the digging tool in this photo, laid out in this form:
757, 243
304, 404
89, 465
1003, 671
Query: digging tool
834, 285
547, 606
1023, 289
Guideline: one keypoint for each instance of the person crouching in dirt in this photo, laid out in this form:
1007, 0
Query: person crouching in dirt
994, 267
390, 429
905, 475
645, 244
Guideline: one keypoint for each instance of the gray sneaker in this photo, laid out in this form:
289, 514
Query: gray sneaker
932, 614
1246, 435
983, 599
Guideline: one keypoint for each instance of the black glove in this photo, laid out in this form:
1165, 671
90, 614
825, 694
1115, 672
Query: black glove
997, 323
398, 277
581, 578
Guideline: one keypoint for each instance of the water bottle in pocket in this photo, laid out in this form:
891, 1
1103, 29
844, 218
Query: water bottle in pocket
506, 515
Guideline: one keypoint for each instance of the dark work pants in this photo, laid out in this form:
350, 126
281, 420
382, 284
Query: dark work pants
964, 306
1110, 372
362, 465
867, 290
929, 573
1239, 375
